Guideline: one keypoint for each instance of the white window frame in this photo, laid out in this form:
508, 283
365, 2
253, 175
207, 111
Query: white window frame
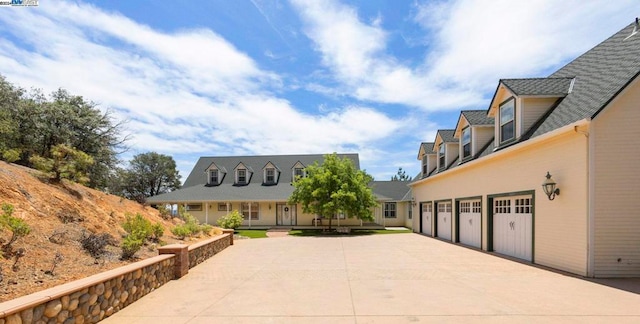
390, 210
302, 173
466, 131
509, 103
442, 158
193, 207
244, 171
250, 208
217, 176
273, 175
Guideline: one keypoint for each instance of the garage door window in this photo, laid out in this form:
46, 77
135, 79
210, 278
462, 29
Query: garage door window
503, 206
523, 206
477, 207
465, 207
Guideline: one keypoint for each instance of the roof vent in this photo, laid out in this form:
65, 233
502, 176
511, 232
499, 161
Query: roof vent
636, 27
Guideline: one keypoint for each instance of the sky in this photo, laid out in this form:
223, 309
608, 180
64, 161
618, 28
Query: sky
263, 77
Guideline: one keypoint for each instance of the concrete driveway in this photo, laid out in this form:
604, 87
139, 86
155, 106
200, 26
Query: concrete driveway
374, 279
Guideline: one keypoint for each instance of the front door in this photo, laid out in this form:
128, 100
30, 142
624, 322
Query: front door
285, 214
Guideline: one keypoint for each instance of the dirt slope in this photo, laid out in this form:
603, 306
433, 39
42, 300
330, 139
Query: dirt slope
58, 216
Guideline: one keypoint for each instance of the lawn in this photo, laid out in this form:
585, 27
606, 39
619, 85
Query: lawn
252, 233
354, 232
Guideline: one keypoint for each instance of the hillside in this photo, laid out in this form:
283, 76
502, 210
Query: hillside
59, 215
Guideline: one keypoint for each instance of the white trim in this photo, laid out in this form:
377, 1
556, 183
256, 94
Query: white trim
508, 150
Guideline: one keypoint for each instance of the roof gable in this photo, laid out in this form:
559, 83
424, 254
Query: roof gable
472, 118
425, 148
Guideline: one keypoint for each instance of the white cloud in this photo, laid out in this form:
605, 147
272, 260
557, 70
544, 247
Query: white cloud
188, 92
472, 45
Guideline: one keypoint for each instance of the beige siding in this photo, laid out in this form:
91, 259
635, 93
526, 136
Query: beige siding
481, 136
451, 152
533, 109
560, 226
616, 159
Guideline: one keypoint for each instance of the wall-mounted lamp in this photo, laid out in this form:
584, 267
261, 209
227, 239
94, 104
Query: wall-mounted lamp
413, 201
549, 187
269, 206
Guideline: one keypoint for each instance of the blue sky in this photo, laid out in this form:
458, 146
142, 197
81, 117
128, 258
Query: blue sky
220, 77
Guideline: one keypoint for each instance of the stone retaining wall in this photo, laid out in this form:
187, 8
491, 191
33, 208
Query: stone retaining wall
91, 299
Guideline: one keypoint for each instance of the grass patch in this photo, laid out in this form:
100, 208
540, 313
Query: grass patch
252, 233
354, 232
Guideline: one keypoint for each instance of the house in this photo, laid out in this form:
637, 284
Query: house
259, 188
482, 183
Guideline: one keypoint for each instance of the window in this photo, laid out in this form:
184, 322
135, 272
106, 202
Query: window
298, 173
465, 207
270, 175
507, 126
191, 207
466, 142
390, 210
502, 206
250, 209
213, 177
523, 206
425, 167
242, 176
477, 207
441, 155
223, 207
410, 212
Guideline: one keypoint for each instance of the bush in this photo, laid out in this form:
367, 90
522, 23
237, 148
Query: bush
139, 230
232, 220
11, 155
17, 226
95, 244
157, 230
191, 227
130, 245
181, 232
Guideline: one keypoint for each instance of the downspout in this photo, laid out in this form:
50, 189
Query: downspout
590, 198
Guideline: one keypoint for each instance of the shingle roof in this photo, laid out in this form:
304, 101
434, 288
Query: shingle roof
447, 135
539, 86
390, 190
427, 146
195, 188
600, 74
477, 117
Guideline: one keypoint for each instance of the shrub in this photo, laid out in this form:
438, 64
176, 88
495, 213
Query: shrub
17, 226
139, 230
181, 232
157, 230
232, 220
130, 245
95, 244
11, 155
139, 226
191, 227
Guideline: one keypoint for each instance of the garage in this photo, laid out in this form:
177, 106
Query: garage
470, 223
513, 226
443, 224
427, 211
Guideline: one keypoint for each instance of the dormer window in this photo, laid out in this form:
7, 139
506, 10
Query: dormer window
242, 176
441, 156
214, 177
425, 166
270, 175
298, 173
466, 142
507, 124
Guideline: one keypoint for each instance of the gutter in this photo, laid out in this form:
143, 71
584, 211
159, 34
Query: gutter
538, 139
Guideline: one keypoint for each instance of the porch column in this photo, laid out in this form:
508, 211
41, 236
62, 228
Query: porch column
206, 213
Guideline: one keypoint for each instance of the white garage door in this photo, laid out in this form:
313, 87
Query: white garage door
470, 224
444, 220
427, 212
513, 227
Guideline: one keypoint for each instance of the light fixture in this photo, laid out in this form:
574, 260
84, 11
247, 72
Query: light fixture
549, 187
413, 201
269, 206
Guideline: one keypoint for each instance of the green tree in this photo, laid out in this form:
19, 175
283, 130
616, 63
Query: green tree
401, 176
150, 174
333, 188
33, 124
65, 163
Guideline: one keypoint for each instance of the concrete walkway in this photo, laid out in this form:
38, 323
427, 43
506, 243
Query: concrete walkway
391, 278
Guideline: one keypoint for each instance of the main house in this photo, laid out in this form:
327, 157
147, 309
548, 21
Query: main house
259, 188
548, 173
